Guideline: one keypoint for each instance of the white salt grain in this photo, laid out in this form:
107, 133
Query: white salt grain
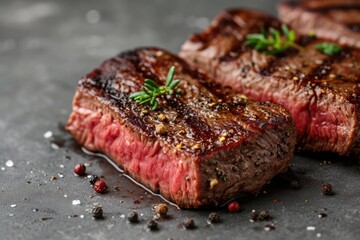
310, 228
48, 134
2, 168
54, 146
318, 235
13, 205
9, 163
76, 202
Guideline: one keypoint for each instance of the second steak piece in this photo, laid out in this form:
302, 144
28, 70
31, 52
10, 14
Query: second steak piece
200, 147
321, 92
338, 22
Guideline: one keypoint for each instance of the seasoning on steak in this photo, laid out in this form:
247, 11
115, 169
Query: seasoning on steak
217, 144
341, 23
321, 92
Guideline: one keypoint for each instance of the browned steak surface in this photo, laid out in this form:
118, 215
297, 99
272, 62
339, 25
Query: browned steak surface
339, 23
323, 4
321, 91
212, 145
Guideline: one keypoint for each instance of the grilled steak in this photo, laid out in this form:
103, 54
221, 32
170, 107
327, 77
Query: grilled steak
213, 143
341, 24
321, 4
320, 91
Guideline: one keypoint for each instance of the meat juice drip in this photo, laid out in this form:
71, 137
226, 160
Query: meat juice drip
121, 171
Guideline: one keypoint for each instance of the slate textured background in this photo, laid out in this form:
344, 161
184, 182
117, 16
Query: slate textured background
45, 47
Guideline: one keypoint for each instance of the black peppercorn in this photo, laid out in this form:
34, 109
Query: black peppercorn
294, 184
133, 217
213, 218
327, 189
189, 223
152, 225
97, 213
93, 179
264, 216
259, 217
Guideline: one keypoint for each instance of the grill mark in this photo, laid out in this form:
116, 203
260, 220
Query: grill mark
190, 116
355, 27
324, 69
275, 63
222, 28
239, 48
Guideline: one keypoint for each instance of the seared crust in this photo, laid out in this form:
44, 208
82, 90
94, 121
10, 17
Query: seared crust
322, 92
200, 114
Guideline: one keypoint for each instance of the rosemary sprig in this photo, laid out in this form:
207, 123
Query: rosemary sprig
328, 48
273, 42
151, 90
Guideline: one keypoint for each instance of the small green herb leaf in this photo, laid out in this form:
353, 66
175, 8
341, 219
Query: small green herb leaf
328, 48
151, 90
272, 42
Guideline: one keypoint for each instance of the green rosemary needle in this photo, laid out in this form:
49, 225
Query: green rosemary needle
328, 48
273, 42
151, 90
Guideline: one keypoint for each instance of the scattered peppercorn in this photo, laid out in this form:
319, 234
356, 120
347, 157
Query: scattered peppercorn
152, 225
189, 223
100, 186
93, 179
97, 213
161, 209
133, 217
213, 218
259, 217
233, 206
80, 169
295, 184
327, 189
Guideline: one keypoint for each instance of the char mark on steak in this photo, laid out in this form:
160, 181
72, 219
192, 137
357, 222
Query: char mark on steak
320, 91
214, 143
339, 21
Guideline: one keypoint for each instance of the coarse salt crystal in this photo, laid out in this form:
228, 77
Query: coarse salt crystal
65, 195
9, 163
48, 134
62, 166
310, 228
318, 235
54, 146
76, 202
2, 168
13, 205
81, 216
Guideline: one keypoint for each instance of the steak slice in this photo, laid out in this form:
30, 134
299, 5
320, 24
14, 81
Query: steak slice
321, 4
320, 91
214, 143
341, 24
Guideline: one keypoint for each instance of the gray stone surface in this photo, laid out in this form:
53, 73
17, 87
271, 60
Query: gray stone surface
45, 47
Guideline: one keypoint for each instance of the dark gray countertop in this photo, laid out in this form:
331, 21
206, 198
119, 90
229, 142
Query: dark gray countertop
45, 47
